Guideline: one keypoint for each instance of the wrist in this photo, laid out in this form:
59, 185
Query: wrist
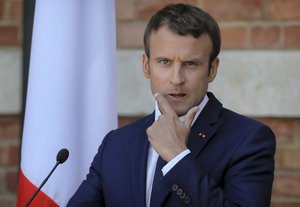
174, 152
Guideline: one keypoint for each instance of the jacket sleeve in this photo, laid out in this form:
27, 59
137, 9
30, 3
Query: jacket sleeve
90, 192
247, 180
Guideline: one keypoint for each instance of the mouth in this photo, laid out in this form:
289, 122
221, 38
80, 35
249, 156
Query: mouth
176, 96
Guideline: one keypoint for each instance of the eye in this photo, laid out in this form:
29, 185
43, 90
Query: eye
191, 63
164, 61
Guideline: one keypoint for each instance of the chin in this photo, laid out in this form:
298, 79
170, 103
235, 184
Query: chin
181, 112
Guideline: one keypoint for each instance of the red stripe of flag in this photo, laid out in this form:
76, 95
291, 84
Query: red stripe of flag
28, 189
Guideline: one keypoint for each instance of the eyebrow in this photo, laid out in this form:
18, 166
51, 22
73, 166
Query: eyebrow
186, 60
193, 60
161, 58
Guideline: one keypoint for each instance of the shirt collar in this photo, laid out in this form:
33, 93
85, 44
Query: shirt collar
201, 106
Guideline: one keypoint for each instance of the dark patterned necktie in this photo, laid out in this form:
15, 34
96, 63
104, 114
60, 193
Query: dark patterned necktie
157, 181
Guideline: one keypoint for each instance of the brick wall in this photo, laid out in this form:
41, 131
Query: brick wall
10, 38
245, 24
10, 23
9, 159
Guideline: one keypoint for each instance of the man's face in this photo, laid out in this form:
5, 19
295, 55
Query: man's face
178, 68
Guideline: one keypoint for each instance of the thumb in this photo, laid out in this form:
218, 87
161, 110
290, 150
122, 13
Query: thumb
190, 116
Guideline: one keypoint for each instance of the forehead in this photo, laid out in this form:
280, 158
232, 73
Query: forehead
166, 42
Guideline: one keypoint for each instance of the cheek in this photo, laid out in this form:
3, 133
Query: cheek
159, 75
198, 81
156, 81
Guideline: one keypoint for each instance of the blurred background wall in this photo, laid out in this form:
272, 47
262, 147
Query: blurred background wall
259, 76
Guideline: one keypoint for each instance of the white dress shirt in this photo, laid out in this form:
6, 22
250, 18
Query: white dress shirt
153, 156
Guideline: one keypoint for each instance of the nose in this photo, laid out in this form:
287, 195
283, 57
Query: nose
177, 75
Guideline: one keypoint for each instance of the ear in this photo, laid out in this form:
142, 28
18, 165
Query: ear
214, 69
146, 69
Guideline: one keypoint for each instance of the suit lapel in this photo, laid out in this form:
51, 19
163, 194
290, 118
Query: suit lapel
205, 126
139, 156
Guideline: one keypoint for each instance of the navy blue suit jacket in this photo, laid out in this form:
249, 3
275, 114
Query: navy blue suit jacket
233, 165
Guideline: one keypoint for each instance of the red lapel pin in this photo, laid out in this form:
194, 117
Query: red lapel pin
202, 135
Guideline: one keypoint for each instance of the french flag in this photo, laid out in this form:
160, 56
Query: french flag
71, 95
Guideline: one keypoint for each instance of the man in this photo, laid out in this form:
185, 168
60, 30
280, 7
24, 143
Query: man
191, 151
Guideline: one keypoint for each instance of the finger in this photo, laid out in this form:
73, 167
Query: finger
190, 116
163, 104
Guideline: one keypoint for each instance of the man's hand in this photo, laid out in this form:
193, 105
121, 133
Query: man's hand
168, 135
